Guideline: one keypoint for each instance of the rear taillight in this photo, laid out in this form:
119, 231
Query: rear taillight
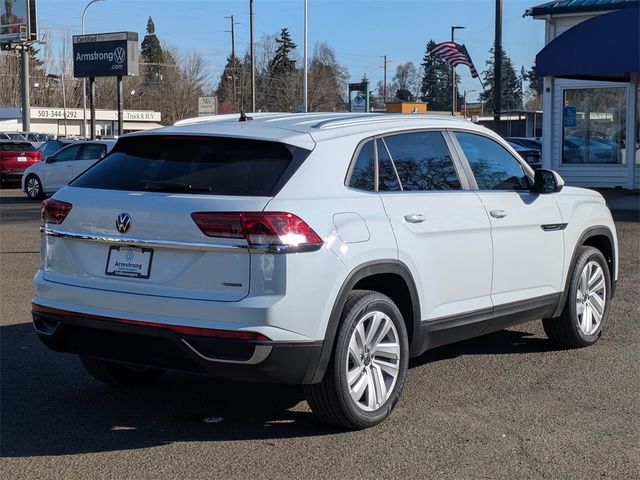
271, 231
54, 211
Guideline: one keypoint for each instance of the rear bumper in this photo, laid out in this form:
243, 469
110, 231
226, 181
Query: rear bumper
160, 346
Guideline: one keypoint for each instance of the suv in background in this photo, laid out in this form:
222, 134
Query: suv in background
322, 250
15, 157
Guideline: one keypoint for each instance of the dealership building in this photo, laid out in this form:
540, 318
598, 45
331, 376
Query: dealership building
52, 121
590, 65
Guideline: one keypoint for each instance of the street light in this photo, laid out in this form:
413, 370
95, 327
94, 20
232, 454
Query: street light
454, 87
84, 80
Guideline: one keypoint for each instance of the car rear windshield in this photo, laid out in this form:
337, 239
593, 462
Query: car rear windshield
195, 164
17, 147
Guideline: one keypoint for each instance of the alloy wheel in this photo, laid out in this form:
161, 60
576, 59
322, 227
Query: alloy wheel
591, 298
33, 187
373, 362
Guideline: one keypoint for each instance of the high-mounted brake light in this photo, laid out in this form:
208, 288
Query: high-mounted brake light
276, 231
54, 211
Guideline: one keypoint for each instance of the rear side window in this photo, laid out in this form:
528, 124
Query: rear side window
423, 161
209, 165
492, 165
388, 181
92, 151
363, 176
17, 147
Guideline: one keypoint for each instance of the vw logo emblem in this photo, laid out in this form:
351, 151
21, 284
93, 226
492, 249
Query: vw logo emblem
119, 54
123, 222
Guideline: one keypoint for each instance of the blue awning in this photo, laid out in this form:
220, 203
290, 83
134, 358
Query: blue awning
605, 47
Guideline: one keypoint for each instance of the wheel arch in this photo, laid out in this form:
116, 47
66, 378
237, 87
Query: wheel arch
601, 238
378, 276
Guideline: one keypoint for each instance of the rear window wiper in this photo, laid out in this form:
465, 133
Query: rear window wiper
177, 187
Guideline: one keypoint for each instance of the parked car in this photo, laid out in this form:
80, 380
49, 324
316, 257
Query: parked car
527, 142
596, 152
315, 249
4, 136
63, 166
36, 139
15, 157
50, 147
532, 156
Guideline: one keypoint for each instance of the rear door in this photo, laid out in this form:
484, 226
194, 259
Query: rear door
526, 228
89, 154
130, 227
441, 227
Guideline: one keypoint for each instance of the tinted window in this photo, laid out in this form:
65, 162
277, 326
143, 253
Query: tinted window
17, 147
67, 154
363, 174
211, 165
388, 180
423, 161
493, 166
92, 151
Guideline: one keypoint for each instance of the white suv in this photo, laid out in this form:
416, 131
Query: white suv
315, 249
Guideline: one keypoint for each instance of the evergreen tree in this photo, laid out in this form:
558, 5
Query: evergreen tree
151, 52
282, 63
535, 82
435, 87
227, 90
511, 95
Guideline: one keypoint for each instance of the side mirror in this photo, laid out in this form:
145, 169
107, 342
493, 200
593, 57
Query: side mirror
547, 181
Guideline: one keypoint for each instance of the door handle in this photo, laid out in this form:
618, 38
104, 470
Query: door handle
498, 213
414, 218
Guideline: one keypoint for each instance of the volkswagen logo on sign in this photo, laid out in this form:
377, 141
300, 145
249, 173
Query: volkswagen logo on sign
123, 222
119, 54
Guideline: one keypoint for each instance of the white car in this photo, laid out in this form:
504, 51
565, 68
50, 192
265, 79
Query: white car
63, 166
323, 250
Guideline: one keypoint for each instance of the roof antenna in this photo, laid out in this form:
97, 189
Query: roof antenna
243, 117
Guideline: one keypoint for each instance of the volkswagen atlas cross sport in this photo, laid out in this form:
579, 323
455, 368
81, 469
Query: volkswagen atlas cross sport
323, 250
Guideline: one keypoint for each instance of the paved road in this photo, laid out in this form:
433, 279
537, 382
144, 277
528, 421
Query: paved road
506, 405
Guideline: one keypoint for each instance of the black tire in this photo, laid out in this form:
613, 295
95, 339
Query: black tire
120, 374
565, 331
36, 192
330, 399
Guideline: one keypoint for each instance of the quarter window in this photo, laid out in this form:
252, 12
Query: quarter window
388, 179
423, 161
363, 176
493, 166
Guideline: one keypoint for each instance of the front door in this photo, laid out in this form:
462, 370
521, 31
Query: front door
58, 170
526, 227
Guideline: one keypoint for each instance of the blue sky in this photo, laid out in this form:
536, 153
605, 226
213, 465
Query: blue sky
360, 31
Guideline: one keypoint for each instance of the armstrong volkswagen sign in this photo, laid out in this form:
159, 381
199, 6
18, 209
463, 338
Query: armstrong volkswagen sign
105, 54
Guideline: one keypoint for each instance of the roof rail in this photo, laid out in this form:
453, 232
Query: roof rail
221, 118
376, 118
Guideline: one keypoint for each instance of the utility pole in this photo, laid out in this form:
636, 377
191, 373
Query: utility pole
253, 58
26, 113
233, 55
454, 86
497, 64
384, 81
305, 95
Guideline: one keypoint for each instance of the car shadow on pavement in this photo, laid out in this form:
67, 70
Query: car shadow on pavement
50, 406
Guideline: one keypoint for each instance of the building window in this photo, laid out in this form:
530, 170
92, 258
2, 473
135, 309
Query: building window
594, 126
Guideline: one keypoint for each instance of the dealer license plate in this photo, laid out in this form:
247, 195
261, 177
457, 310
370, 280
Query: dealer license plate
22, 159
125, 261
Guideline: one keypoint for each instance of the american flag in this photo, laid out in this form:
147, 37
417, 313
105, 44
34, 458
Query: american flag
454, 55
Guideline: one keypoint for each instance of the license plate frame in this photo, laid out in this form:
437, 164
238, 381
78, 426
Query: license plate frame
136, 262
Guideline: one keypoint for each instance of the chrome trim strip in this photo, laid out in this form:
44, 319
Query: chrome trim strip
553, 227
260, 353
111, 239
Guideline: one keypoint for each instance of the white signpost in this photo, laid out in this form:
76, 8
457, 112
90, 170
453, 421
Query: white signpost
207, 106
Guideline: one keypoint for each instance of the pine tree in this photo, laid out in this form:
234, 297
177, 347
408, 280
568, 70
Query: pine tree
435, 87
535, 82
227, 90
282, 63
151, 52
511, 95
284, 82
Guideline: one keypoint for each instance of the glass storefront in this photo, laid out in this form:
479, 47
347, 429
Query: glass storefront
594, 126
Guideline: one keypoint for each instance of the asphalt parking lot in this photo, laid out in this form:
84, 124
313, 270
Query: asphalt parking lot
507, 405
